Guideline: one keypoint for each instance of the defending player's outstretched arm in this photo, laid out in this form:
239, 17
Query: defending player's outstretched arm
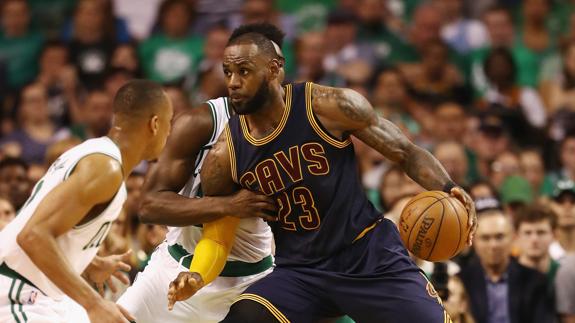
344, 112
212, 250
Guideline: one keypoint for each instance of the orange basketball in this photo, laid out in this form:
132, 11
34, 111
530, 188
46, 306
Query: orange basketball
433, 226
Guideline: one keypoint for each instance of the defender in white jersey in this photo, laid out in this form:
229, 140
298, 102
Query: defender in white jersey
250, 258
172, 196
58, 231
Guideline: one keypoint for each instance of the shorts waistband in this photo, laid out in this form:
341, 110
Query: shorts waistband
231, 269
9, 272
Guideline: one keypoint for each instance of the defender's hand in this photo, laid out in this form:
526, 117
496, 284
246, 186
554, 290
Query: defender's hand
101, 270
248, 204
183, 287
464, 198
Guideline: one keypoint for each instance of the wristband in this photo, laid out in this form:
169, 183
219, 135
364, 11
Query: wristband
448, 186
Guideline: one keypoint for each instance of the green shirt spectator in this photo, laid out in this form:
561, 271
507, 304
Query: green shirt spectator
19, 46
171, 53
167, 59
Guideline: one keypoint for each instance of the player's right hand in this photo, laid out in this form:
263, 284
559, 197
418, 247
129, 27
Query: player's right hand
249, 204
183, 287
108, 312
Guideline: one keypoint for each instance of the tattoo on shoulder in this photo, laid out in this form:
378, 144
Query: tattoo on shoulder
353, 105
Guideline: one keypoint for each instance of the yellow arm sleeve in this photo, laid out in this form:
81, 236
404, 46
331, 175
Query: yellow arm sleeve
212, 251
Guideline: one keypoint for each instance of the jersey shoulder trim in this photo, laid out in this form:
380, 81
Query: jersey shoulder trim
316, 125
232, 153
267, 139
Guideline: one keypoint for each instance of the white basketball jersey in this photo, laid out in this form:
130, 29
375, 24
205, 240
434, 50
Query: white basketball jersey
80, 244
253, 236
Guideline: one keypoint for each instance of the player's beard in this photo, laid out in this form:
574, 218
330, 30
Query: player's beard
256, 103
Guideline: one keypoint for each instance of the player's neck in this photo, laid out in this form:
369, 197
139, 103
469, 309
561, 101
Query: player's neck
131, 154
269, 116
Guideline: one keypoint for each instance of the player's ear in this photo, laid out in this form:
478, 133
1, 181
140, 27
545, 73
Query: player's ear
154, 124
274, 68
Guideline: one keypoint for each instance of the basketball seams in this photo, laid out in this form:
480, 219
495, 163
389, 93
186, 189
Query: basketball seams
438, 231
426, 195
419, 217
460, 229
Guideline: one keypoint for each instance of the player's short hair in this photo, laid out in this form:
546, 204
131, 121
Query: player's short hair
268, 30
13, 161
536, 213
263, 35
139, 98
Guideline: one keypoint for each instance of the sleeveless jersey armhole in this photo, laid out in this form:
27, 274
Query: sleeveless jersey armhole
316, 124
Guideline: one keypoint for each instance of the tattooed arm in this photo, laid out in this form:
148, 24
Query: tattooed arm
345, 112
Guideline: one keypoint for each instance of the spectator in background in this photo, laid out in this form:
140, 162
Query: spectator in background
500, 289
19, 45
395, 185
210, 81
171, 54
309, 54
535, 227
134, 189
125, 56
563, 204
97, 117
505, 165
92, 43
520, 107
116, 28
516, 194
559, 91
254, 11
490, 141
14, 182
457, 304
532, 169
483, 189
460, 33
567, 161
424, 30
178, 97
59, 78
7, 212
452, 156
391, 99
435, 79
565, 290
36, 131
499, 24
534, 42
148, 237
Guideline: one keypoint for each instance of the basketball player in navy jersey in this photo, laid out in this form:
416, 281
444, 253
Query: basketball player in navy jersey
335, 254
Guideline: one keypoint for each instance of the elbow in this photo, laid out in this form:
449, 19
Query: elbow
146, 210
29, 239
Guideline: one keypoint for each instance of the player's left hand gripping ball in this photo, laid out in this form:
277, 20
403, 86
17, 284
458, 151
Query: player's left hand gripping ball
183, 287
462, 196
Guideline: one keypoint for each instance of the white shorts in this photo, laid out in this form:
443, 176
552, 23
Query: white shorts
20, 302
147, 298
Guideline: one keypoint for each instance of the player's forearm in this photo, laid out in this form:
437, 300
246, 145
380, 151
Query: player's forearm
169, 208
42, 249
212, 251
421, 166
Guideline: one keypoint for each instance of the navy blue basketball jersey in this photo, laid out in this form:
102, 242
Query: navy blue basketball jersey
313, 176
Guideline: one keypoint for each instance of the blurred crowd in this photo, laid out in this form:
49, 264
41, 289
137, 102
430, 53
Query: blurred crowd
487, 86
